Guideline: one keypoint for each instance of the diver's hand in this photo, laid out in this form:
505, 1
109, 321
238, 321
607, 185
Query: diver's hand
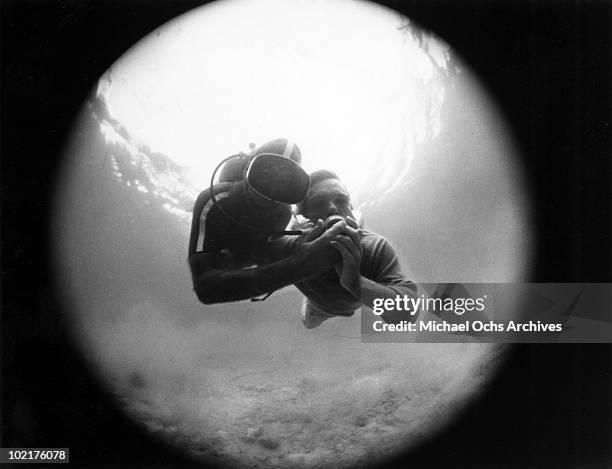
314, 253
349, 269
350, 221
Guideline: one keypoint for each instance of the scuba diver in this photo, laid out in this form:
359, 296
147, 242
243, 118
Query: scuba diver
368, 270
235, 218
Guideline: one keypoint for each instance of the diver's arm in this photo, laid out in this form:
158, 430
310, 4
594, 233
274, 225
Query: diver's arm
213, 283
371, 290
366, 290
389, 282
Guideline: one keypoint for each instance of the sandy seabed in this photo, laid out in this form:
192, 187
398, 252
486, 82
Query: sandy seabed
295, 398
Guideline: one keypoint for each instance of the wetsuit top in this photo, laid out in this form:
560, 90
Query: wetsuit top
239, 237
379, 263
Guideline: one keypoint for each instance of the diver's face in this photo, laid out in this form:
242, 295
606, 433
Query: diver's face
327, 198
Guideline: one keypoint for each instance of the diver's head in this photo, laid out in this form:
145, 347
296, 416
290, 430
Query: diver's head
326, 197
273, 175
